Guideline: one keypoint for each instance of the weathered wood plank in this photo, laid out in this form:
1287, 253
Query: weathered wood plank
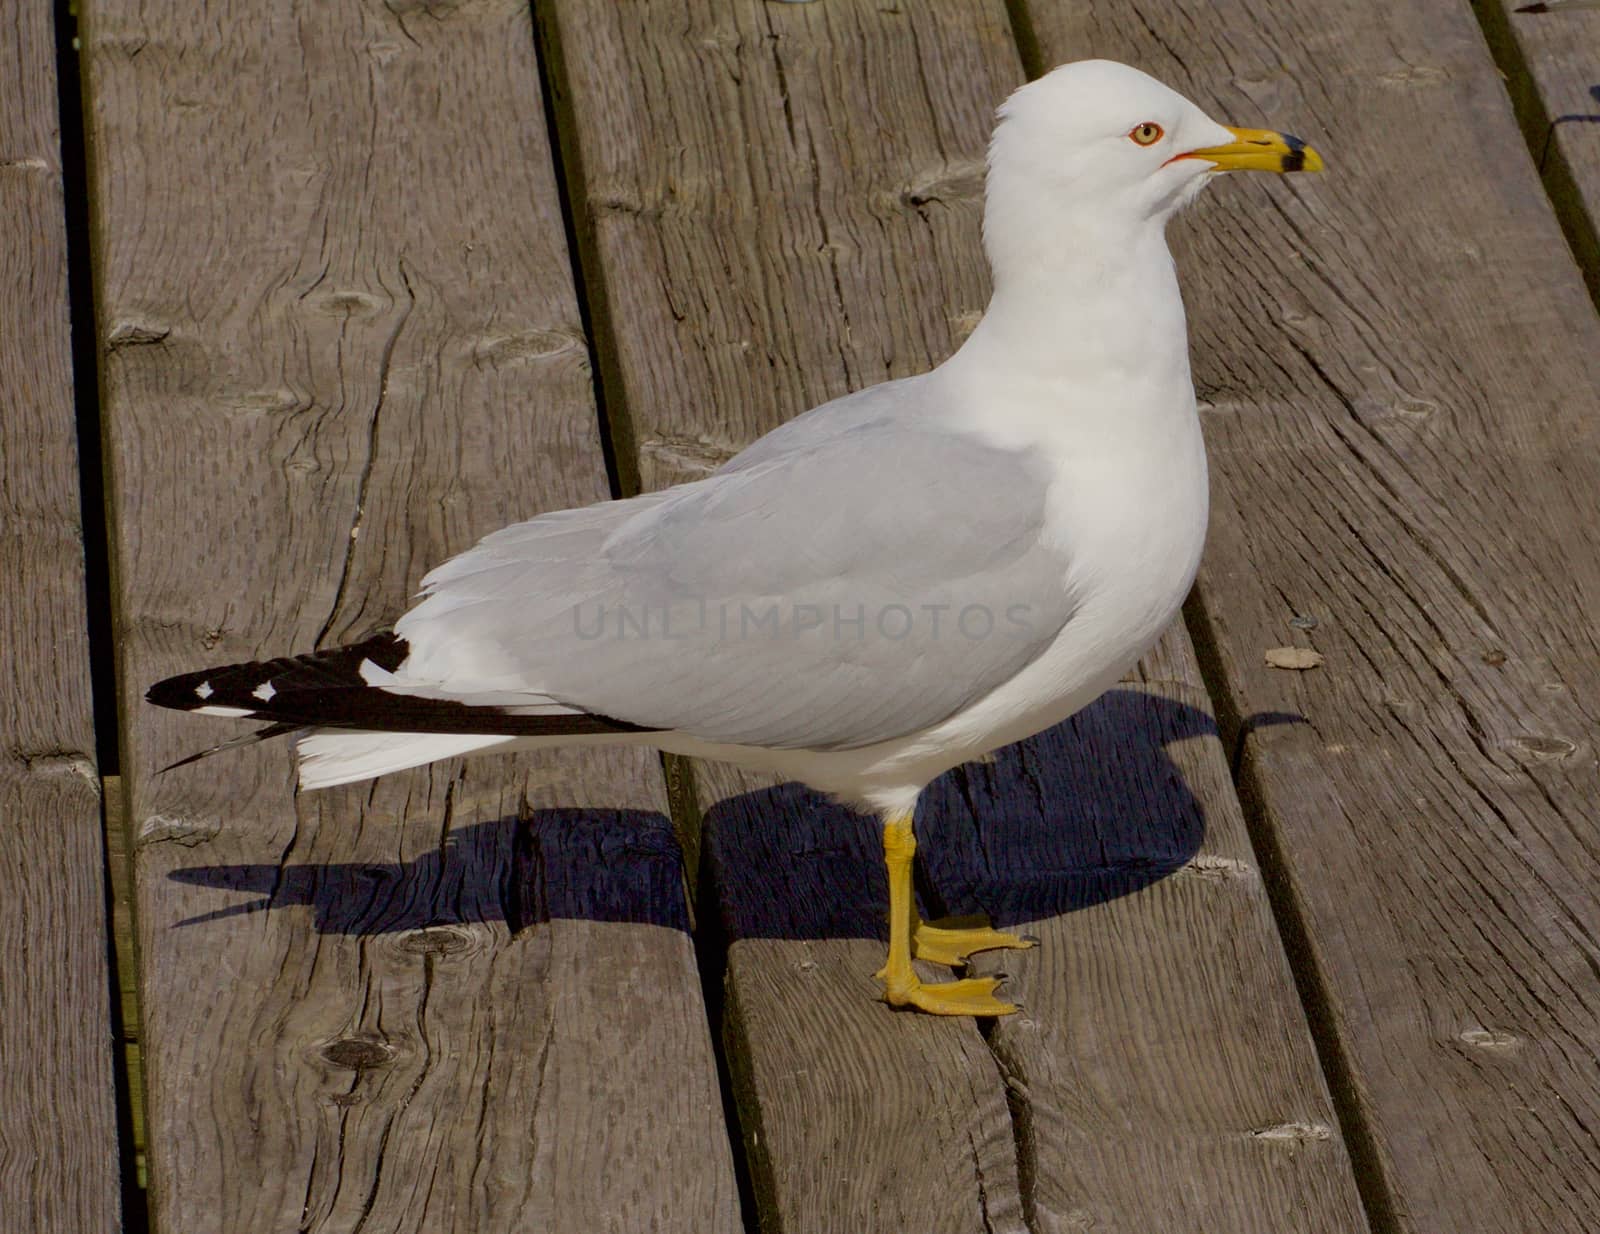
854, 1118
58, 1130
782, 204
341, 342
1553, 76
1402, 365
780, 166
1167, 1078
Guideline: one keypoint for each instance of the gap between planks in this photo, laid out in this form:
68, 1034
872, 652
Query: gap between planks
1539, 122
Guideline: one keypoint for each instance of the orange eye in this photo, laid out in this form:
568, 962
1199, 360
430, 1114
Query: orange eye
1148, 133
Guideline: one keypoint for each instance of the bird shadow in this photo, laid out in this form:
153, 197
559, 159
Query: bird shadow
592, 865
1571, 117
1085, 812
1088, 811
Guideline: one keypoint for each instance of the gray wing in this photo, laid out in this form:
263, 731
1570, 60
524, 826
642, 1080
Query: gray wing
861, 574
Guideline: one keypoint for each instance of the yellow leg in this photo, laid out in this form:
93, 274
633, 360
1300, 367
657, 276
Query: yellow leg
902, 986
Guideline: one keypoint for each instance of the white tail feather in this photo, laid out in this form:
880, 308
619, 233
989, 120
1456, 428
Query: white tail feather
330, 756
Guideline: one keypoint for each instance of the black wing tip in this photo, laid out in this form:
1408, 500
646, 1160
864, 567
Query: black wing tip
178, 692
236, 685
326, 689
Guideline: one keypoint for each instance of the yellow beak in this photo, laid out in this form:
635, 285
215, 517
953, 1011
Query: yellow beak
1260, 150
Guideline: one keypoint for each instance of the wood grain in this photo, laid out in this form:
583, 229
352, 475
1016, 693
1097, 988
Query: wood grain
1162, 1072
58, 1131
855, 1117
1401, 367
1552, 67
779, 204
340, 342
753, 176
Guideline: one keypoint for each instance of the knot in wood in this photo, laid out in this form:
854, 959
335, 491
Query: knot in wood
136, 334
347, 302
439, 940
499, 349
1413, 408
1291, 1133
177, 829
1544, 748
54, 764
357, 1053
1489, 1039
437, 9
1220, 869
279, 400
946, 185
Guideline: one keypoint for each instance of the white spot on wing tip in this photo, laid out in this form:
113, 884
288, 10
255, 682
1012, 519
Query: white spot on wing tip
229, 712
374, 674
264, 692
204, 690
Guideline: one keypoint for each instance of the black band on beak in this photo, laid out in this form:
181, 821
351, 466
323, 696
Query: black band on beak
1295, 160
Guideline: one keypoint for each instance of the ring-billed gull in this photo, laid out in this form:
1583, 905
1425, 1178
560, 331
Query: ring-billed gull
894, 583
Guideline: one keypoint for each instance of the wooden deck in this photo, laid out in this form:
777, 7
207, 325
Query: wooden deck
364, 281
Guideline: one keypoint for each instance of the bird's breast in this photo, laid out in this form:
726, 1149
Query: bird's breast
1130, 517
1130, 520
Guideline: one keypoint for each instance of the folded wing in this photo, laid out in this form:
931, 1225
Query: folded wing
856, 577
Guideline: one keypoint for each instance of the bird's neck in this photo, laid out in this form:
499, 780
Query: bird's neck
1078, 298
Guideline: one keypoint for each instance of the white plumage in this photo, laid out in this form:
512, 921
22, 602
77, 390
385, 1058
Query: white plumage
887, 586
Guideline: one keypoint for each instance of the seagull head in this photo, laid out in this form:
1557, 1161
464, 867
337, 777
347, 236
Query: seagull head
1098, 145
